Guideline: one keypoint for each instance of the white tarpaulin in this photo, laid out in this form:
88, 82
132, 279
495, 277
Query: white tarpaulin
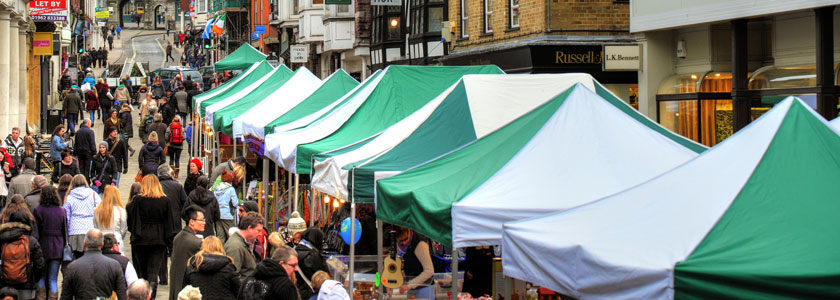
213, 92
289, 95
208, 115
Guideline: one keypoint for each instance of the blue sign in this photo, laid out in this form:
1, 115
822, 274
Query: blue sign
259, 29
255, 36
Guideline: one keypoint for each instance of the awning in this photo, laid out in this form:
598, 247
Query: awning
243, 57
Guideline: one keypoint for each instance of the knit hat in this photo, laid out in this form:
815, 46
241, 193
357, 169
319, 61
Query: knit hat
250, 206
104, 143
39, 181
296, 224
111, 129
227, 176
197, 162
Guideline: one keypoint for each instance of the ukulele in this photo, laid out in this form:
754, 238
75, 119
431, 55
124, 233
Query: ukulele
392, 275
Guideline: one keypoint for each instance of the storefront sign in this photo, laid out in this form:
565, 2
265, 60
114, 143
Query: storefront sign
259, 29
339, 2
299, 53
386, 2
103, 14
48, 10
622, 58
42, 43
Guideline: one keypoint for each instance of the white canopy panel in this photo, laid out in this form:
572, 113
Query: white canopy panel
289, 95
208, 115
213, 92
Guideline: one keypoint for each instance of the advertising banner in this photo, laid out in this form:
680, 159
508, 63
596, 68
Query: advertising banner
48, 10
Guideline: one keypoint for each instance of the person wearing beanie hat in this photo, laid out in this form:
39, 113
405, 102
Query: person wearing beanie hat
296, 226
118, 149
228, 204
104, 168
193, 175
114, 121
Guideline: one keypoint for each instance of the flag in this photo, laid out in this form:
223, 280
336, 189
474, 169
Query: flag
206, 33
219, 26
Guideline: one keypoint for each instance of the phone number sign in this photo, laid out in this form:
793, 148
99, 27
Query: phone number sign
48, 10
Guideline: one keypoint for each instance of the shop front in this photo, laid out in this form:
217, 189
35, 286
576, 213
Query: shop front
536, 59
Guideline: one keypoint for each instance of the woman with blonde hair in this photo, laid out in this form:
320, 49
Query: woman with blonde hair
212, 271
79, 204
150, 223
110, 216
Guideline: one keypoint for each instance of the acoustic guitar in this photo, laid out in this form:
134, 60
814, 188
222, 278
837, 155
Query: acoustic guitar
392, 275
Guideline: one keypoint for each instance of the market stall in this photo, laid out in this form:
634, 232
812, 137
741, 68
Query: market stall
243, 57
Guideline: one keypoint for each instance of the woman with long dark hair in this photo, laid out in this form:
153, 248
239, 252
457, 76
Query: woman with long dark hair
52, 229
63, 187
150, 224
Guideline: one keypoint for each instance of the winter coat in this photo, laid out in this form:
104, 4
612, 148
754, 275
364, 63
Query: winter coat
191, 182
144, 107
203, 198
72, 103
184, 246
176, 196
52, 230
56, 145
120, 154
93, 276
59, 169
158, 91
269, 281
217, 171
99, 169
12, 231
151, 156
92, 100
243, 258
116, 123
167, 111
16, 150
22, 184
126, 123
85, 141
149, 221
228, 201
160, 128
122, 95
215, 277
309, 262
33, 199
80, 203
181, 101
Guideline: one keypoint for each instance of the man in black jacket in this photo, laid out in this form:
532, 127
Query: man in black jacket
111, 249
185, 245
119, 149
271, 278
85, 147
177, 197
93, 275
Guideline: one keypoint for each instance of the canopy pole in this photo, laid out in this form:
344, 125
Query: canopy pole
276, 193
380, 264
234, 149
455, 257
352, 234
244, 184
313, 200
265, 189
297, 183
289, 190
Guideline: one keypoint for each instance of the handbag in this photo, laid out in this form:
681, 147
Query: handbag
139, 176
68, 253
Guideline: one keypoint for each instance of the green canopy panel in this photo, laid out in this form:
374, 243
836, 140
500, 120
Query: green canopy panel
263, 69
242, 58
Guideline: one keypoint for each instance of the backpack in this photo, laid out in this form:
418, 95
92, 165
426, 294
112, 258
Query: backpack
14, 261
176, 135
147, 124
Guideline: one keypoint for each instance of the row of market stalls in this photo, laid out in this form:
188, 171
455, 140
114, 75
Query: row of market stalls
586, 196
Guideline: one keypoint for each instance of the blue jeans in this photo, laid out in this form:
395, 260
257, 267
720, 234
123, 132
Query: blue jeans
71, 123
117, 182
51, 272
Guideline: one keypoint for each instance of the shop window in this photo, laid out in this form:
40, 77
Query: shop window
697, 106
488, 16
513, 12
627, 92
465, 18
435, 19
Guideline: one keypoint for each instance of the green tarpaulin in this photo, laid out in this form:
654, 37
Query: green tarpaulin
263, 69
223, 118
242, 58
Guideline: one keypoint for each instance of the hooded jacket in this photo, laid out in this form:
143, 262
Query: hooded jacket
269, 281
216, 277
12, 231
121, 94
80, 203
203, 198
310, 259
228, 201
151, 156
127, 123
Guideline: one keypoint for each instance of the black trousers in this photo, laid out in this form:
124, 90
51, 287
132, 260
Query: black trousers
175, 156
84, 163
147, 260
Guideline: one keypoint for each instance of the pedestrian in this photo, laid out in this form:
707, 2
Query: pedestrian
22, 183
151, 156
192, 176
15, 147
200, 59
92, 105
196, 90
65, 82
191, 60
104, 168
167, 111
29, 147
417, 263
126, 122
118, 30
85, 147
72, 105
79, 204
228, 204
158, 126
111, 42
226, 166
57, 143
182, 99
176, 198
66, 166
203, 198
33, 198
272, 278
51, 220
93, 276
146, 124
64, 183
105, 97
175, 136
237, 246
212, 271
169, 49
186, 244
117, 148
151, 227
113, 120
128, 85
181, 36
122, 94
21, 258
259, 246
111, 248
110, 215
142, 94
309, 260
158, 90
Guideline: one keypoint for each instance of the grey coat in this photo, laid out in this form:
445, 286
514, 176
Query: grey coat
22, 184
243, 258
185, 245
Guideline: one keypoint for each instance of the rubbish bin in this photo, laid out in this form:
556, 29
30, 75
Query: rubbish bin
53, 119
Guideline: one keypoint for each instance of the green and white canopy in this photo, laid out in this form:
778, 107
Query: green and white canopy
835, 123
394, 94
246, 84
575, 148
249, 94
228, 84
477, 106
755, 217
254, 121
241, 58
277, 93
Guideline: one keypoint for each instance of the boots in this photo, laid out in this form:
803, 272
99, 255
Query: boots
41, 293
177, 171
